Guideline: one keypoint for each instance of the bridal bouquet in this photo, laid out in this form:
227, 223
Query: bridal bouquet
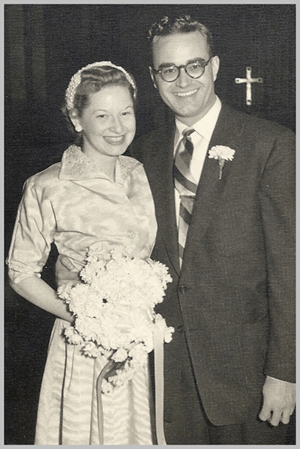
114, 310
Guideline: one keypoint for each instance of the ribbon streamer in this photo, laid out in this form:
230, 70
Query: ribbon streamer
111, 366
105, 373
159, 386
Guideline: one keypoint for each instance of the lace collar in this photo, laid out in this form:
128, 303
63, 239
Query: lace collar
75, 165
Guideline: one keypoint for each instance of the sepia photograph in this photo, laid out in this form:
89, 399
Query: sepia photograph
149, 224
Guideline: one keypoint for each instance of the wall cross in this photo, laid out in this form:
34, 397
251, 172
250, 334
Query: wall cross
249, 81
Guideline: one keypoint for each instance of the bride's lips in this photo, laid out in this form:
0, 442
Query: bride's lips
188, 93
114, 140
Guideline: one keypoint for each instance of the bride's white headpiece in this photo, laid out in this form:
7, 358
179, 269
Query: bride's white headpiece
76, 79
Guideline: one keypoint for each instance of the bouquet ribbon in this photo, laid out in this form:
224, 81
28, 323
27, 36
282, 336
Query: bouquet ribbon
105, 372
158, 344
159, 386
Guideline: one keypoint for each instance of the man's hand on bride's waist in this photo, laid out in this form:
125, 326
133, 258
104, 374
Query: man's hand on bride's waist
63, 271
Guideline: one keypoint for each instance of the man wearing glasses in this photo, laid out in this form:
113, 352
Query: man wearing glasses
224, 197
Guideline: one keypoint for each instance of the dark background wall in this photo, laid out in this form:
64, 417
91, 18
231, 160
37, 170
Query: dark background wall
44, 46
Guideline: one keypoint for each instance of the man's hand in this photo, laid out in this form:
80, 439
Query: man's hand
63, 271
279, 401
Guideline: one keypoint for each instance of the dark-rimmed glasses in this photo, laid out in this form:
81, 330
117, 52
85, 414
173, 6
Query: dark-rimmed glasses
194, 69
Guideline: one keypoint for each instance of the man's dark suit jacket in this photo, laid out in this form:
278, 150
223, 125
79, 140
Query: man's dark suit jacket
232, 303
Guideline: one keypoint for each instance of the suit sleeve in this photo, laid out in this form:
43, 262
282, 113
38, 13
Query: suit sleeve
278, 216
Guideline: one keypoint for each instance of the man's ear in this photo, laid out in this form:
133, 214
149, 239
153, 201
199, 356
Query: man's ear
152, 77
215, 66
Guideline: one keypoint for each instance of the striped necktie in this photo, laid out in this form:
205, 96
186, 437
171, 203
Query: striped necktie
186, 187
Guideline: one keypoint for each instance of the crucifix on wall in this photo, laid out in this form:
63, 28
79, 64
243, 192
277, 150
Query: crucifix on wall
249, 81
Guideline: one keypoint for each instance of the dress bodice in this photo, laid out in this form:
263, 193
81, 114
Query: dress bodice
75, 205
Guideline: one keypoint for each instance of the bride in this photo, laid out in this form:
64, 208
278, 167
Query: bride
95, 194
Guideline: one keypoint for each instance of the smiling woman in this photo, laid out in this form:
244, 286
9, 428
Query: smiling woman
107, 126
95, 196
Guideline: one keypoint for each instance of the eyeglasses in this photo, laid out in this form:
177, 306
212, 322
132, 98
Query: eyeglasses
194, 69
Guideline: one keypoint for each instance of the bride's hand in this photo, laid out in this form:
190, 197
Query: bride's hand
63, 271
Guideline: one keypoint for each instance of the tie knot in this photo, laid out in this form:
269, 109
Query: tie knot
187, 142
187, 132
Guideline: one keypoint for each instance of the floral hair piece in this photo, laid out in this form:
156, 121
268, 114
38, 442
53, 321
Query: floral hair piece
76, 79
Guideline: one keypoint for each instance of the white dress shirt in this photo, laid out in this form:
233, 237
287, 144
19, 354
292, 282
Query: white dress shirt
200, 138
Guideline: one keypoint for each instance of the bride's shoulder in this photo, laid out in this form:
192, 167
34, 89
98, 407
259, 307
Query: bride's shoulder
47, 176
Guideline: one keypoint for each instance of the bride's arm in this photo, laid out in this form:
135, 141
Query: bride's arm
39, 293
33, 234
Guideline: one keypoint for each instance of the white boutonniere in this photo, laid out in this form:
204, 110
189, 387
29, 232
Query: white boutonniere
222, 154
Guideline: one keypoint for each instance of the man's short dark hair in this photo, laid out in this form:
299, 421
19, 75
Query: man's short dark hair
180, 24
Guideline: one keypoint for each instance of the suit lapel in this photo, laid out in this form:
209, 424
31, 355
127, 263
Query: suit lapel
211, 188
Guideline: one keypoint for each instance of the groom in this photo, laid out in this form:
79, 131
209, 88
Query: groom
232, 297
226, 231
